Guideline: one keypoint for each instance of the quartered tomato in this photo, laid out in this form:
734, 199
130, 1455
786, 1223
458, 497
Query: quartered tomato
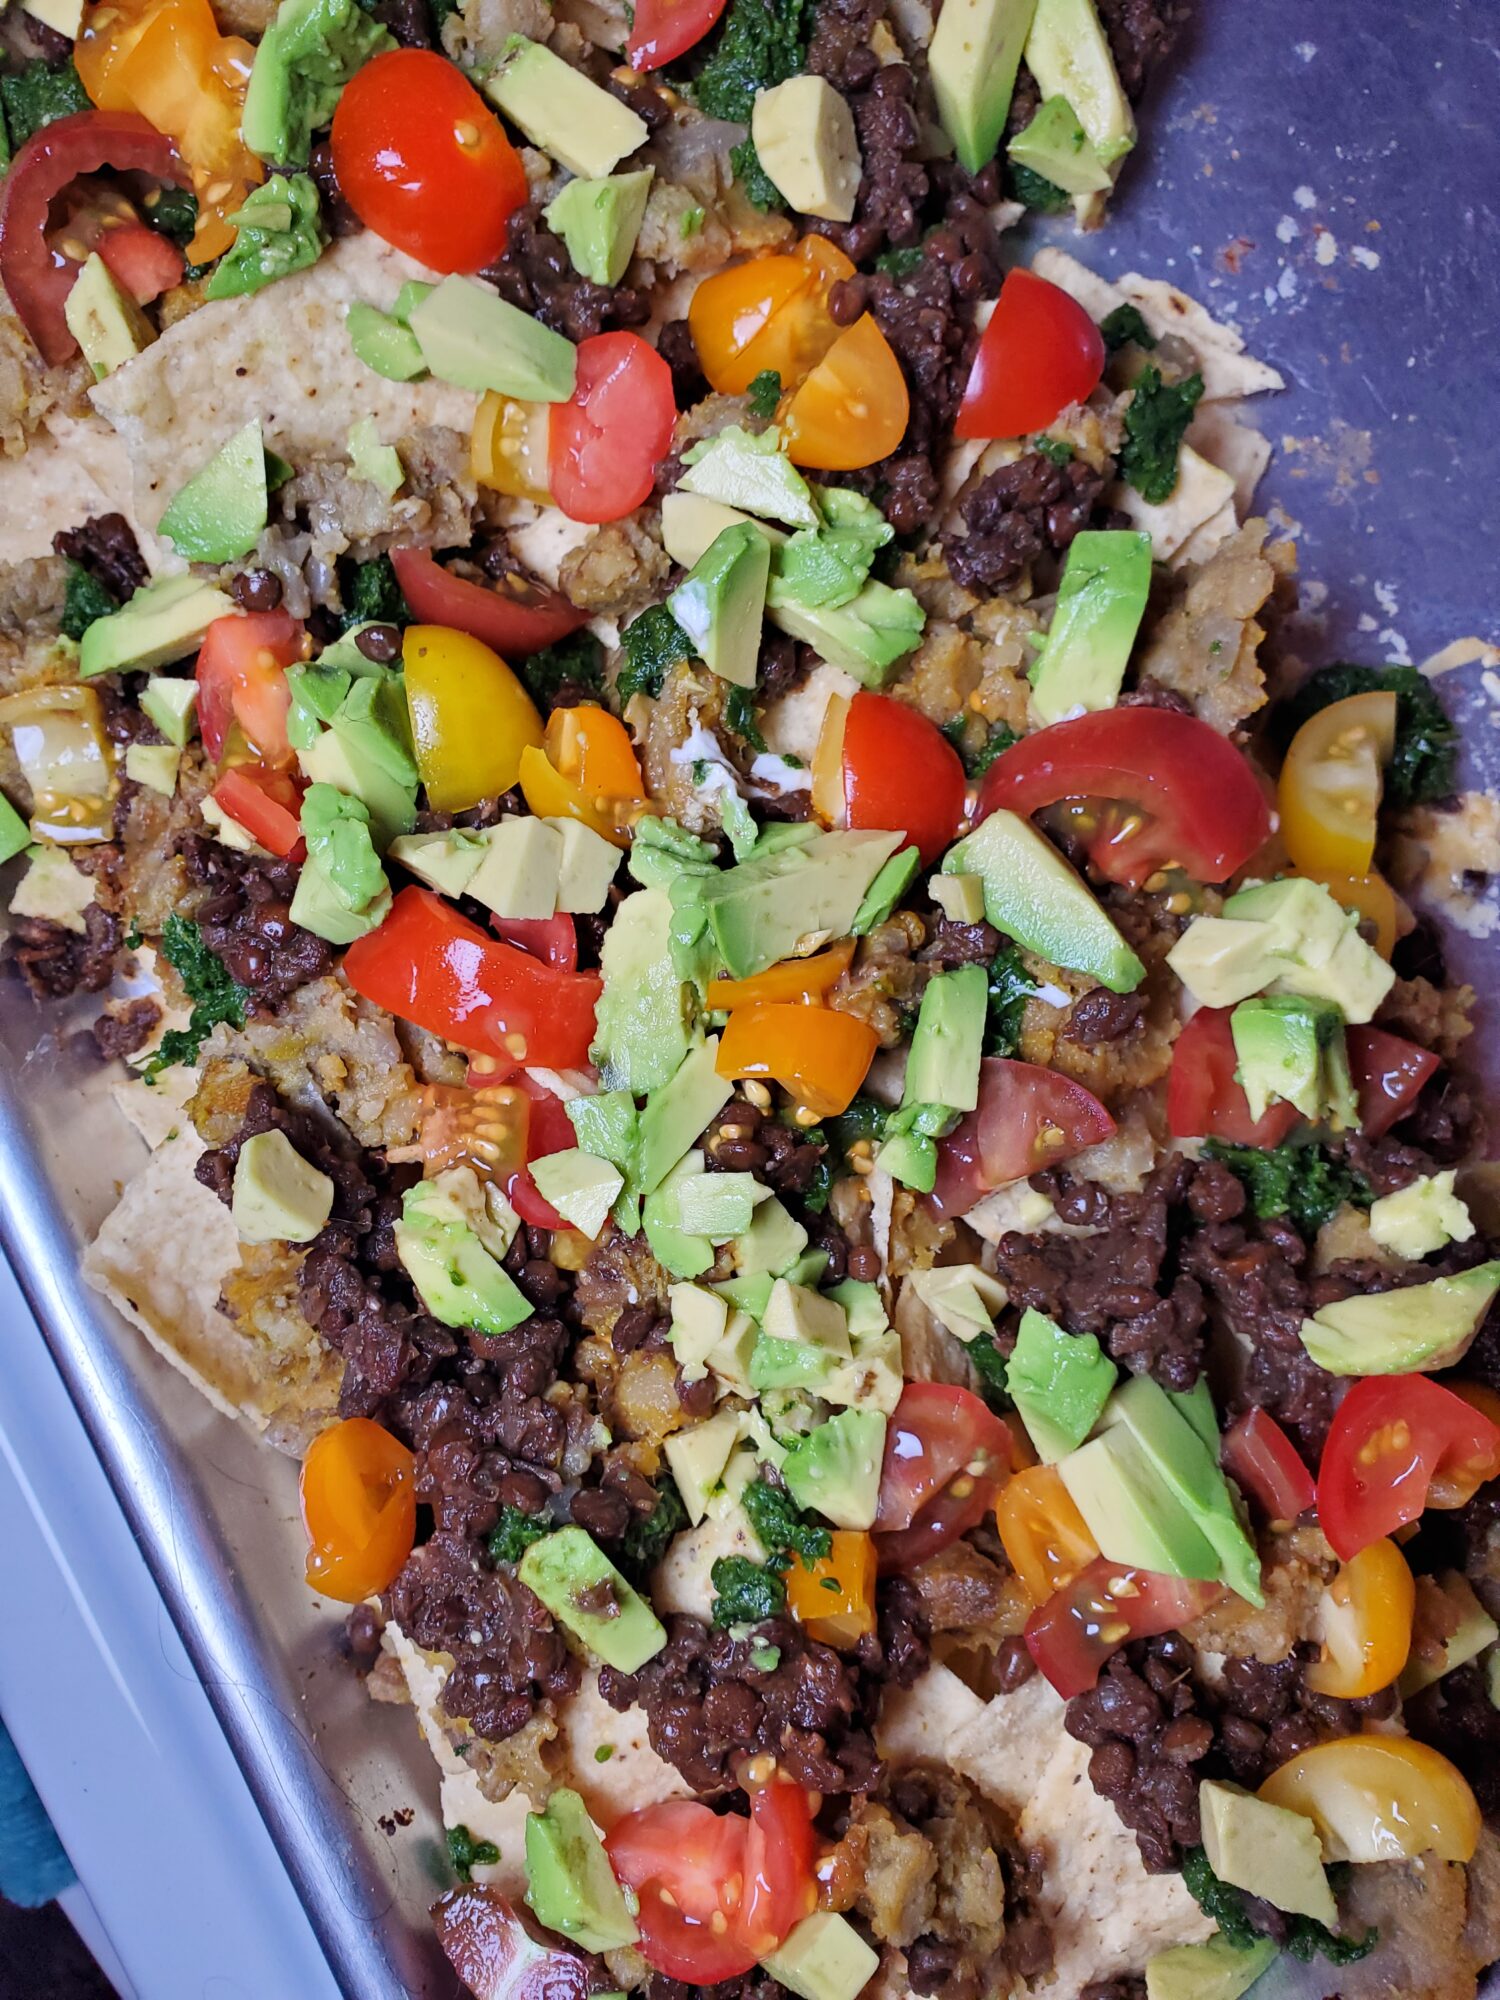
820, 1054
900, 773
1187, 798
1039, 353
549, 1130
554, 940
1104, 1606
1328, 795
768, 314
471, 719
1028, 1118
1042, 1532
780, 1853
508, 447
1364, 1623
663, 30
592, 749
496, 1956
1203, 1099
946, 1455
516, 617
422, 160
1379, 1798
359, 1507
1388, 1073
792, 979
852, 409
1263, 1462
241, 675
267, 804
605, 444
1397, 1443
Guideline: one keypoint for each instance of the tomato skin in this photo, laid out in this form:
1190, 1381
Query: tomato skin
1045, 1538
936, 1435
37, 280
1329, 791
241, 674
1364, 1620
1206, 809
549, 1130
681, 1848
1391, 1438
1028, 1118
662, 30
511, 625
554, 940
267, 804
605, 445
1065, 1637
495, 1955
820, 1054
471, 717
1039, 353
852, 410
422, 160
1388, 1073
768, 313
901, 773
359, 1507
780, 1853
1267, 1467
1203, 1099
141, 261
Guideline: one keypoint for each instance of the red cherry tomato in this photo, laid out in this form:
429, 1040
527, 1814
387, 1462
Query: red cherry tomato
1027, 1118
781, 1851
900, 773
428, 964
1388, 1073
554, 940
662, 30
422, 160
1039, 353
680, 1860
1072, 1635
946, 1456
1265, 1464
267, 804
515, 618
241, 675
1203, 1099
143, 262
36, 275
605, 445
549, 1129
1391, 1438
495, 1955
1192, 798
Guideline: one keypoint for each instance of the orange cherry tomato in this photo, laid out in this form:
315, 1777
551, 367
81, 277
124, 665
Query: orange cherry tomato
1364, 1619
793, 979
359, 1507
853, 408
1043, 1534
592, 749
771, 313
833, 1599
508, 447
817, 1053
1379, 1798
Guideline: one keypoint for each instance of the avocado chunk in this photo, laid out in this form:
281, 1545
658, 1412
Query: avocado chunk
690, 523
836, 1470
308, 52
698, 1457
700, 1319
678, 1110
105, 320
571, 1574
868, 637
1032, 894
559, 109
718, 1206
580, 1187
805, 140
1129, 1512
823, 1958
278, 1196
1223, 960
963, 1298
1101, 601
15, 834
170, 705
379, 463
948, 1041
973, 60
446, 862
366, 751
586, 869
1452, 1628
220, 514
1068, 53
457, 1274
1423, 1217
278, 229
1268, 1851
154, 765
383, 344
959, 897
721, 603
1056, 146
750, 471
518, 874
1322, 953
804, 1336
1406, 1332
570, 1886
759, 911
1189, 1470
1292, 1050
1059, 1383
599, 221
682, 1255
161, 622
771, 1245
1213, 1970
337, 831
475, 340
643, 1023
321, 902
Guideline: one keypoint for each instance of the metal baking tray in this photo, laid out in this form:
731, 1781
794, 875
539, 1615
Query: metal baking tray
1323, 176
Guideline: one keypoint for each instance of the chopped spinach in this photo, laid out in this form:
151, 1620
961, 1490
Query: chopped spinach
85, 599
373, 596
1305, 1938
466, 1853
1124, 325
173, 212
1423, 764
759, 45
1159, 413
1058, 450
574, 663
739, 715
1036, 191
1010, 987
745, 1592
514, 1533
653, 642
37, 95
977, 762
990, 1367
1308, 1184
645, 1540
765, 393
784, 1529
899, 264
215, 996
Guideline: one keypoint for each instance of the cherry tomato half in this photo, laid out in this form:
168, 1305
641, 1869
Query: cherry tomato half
781, 1851
901, 774
494, 1954
1042, 1532
422, 160
267, 804
517, 617
1204, 1101
1392, 1437
1364, 1622
1263, 1462
1027, 1118
241, 675
1388, 1073
1330, 787
605, 445
663, 30
1104, 1606
946, 1456
359, 1507
770, 313
853, 407
1039, 353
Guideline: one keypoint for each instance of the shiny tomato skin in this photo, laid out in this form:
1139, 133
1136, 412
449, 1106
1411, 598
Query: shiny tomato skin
605, 444
359, 1508
1028, 1118
1267, 1467
267, 804
1065, 1636
662, 30
549, 1130
901, 774
679, 1849
1388, 1073
780, 1853
512, 623
241, 675
422, 160
141, 260
1039, 353
1390, 1438
1203, 1099
936, 1437
554, 940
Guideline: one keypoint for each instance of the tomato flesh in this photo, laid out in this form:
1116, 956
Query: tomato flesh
267, 804
605, 445
1039, 353
1267, 1467
1388, 1073
1028, 1118
359, 1508
1392, 1438
516, 618
901, 774
549, 1130
142, 262
946, 1455
681, 1851
241, 675
1072, 1635
554, 940
1204, 1101
662, 30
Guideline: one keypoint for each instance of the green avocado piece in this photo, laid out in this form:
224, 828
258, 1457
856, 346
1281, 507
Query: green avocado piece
581, 1187
518, 874
1056, 146
682, 1255
1213, 1970
1032, 894
1279, 1041
308, 52
748, 470
563, 111
570, 1573
1321, 952
1266, 1850
278, 229
1406, 1332
678, 1110
885, 892
379, 463
1101, 601
1059, 1383
644, 1017
721, 603
383, 344
599, 221
867, 637
973, 59
586, 869
160, 623
1424, 1216
170, 703
104, 319
458, 1280
608, 1124
1189, 1469
770, 1246
836, 1470
761, 909
1223, 960
948, 1041
278, 1197
318, 906
1129, 1511
823, 1958
446, 862
475, 340
220, 514
570, 1886
15, 834
1467, 1631
336, 828
718, 1206
366, 751
1068, 53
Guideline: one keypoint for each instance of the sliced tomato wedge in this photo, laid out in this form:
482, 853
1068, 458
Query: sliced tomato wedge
428, 964
549, 1130
554, 940
1189, 798
946, 1456
605, 445
495, 1955
267, 804
517, 617
901, 774
662, 30
1388, 1073
781, 1851
1039, 353
1028, 1118
681, 1860
1072, 1635
36, 275
241, 675
1267, 1467
1203, 1099
140, 260
1392, 1438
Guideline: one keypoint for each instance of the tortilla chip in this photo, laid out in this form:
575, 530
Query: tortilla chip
1221, 434
156, 1110
1202, 492
1006, 1748
919, 1724
630, 1775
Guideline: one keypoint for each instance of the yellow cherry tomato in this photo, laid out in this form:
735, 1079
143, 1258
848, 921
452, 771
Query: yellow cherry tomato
359, 1507
592, 749
793, 979
508, 447
471, 719
828, 763
1380, 1798
1364, 1619
853, 408
1328, 795
771, 313
1042, 1532
819, 1054
833, 1599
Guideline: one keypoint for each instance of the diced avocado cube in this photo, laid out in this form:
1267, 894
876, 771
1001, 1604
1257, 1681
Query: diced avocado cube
700, 1319
307, 53
698, 1456
1356, 979
730, 1360
749, 470
1466, 1630
948, 1040
563, 111
341, 758
1213, 1970
1402, 1333
170, 705
1223, 960
1189, 1469
1196, 1405
796, 1313
1068, 53
718, 1206
1278, 1041
475, 340
1056, 146
1268, 1851
162, 622
1059, 1383
1032, 894
962, 1297
570, 1886
867, 637
721, 604
318, 689
104, 319
749, 1294
1422, 1217
153, 765
568, 1571
836, 1470
581, 1187
789, 1364
220, 514
599, 221
383, 344
910, 1158
518, 875
1101, 600
823, 1958
805, 140
457, 1277
586, 868
374, 461
1306, 923
446, 862
15, 834
1129, 1512
320, 903
54, 889
885, 892
772, 1243
643, 1022
608, 1124
682, 1255
873, 1379
959, 897
278, 1196
677, 1113
973, 60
